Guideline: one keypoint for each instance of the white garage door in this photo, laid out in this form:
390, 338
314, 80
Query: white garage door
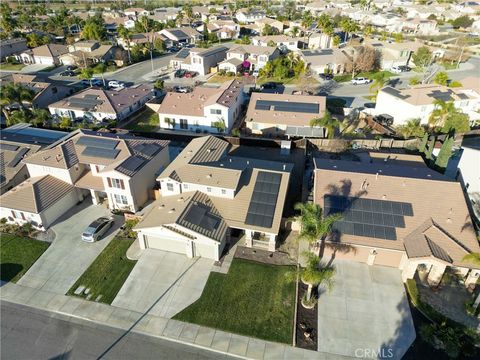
206, 251
166, 244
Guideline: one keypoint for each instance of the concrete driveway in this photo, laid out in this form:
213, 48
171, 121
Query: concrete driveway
163, 283
366, 315
68, 256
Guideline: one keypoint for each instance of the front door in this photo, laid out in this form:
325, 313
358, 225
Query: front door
183, 124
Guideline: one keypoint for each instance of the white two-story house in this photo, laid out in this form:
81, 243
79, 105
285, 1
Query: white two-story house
206, 109
254, 57
117, 170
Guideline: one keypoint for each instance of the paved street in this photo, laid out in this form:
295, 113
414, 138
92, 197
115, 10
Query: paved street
68, 256
28, 333
167, 280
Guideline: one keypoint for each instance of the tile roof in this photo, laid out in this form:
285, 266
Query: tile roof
50, 50
36, 194
11, 156
253, 49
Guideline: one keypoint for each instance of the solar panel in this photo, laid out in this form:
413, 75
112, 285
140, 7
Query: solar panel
133, 163
368, 217
97, 142
85, 102
9, 147
264, 198
289, 106
149, 149
18, 157
182, 54
100, 152
199, 215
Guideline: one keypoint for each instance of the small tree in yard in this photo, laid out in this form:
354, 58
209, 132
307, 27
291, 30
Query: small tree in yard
328, 122
429, 150
159, 85
422, 57
441, 78
445, 153
411, 129
219, 125
423, 143
86, 74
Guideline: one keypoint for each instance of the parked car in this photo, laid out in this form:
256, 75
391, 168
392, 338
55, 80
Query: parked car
97, 229
384, 119
361, 81
182, 89
173, 49
326, 76
180, 73
97, 82
67, 73
116, 84
92, 82
190, 74
255, 73
397, 69
71, 67
269, 85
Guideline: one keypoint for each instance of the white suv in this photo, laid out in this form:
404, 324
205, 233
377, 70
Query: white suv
361, 81
116, 84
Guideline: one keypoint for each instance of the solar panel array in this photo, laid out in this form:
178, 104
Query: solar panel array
264, 199
183, 54
290, 106
442, 95
97, 142
304, 131
368, 217
133, 163
84, 103
8, 147
100, 152
19, 156
148, 149
200, 215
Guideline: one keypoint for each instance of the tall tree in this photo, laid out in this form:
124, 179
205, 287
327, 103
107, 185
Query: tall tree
422, 57
429, 149
441, 78
445, 152
411, 128
423, 143
441, 111
313, 227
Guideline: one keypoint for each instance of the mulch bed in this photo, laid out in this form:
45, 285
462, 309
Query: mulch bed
263, 256
307, 321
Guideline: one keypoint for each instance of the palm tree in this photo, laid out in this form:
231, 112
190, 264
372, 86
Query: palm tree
348, 26
328, 122
379, 81
473, 258
412, 128
441, 112
15, 94
313, 226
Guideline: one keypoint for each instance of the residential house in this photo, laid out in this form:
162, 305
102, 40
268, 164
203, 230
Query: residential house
11, 47
317, 7
275, 115
283, 42
468, 173
206, 194
48, 54
208, 107
396, 212
45, 92
252, 57
164, 15
277, 26
467, 7
326, 60
89, 52
320, 41
246, 16
98, 105
182, 35
138, 39
395, 53
117, 169
136, 13
417, 102
224, 29
417, 26
199, 59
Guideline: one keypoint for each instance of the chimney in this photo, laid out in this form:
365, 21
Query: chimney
376, 176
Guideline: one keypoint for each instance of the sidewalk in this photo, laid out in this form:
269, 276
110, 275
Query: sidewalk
189, 334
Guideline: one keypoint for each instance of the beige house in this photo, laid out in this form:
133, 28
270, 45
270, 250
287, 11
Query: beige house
276, 25
11, 47
87, 52
199, 60
284, 115
326, 60
48, 54
256, 56
117, 169
205, 192
396, 212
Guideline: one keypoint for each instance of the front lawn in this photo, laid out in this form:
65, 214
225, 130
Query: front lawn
220, 79
13, 67
18, 254
287, 81
146, 121
106, 275
368, 74
253, 299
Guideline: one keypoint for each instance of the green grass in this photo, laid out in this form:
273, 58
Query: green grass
285, 81
146, 121
8, 66
108, 272
17, 255
253, 299
368, 74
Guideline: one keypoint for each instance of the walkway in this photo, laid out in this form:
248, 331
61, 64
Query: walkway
367, 309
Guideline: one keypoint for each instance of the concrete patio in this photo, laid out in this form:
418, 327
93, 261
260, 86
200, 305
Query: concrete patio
163, 282
367, 310
68, 256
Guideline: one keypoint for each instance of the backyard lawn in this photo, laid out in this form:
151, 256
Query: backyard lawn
146, 121
17, 254
253, 299
107, 273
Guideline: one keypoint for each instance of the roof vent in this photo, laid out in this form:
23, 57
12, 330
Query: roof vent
172, 210
384, 196
449, 220
221, 165
180, 198
161, 206
209, 176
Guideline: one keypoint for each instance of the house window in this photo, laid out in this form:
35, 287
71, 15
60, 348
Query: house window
215, 112
116, 183
423, 108
183, 124
185, 186
224, 191
18, 214
209, 189
121, 199
255, 126
169, 187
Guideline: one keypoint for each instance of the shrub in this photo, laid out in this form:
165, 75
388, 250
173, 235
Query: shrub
236, 132
128, 226
230, 73
455, 84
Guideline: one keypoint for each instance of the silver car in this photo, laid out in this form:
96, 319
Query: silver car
97, 229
